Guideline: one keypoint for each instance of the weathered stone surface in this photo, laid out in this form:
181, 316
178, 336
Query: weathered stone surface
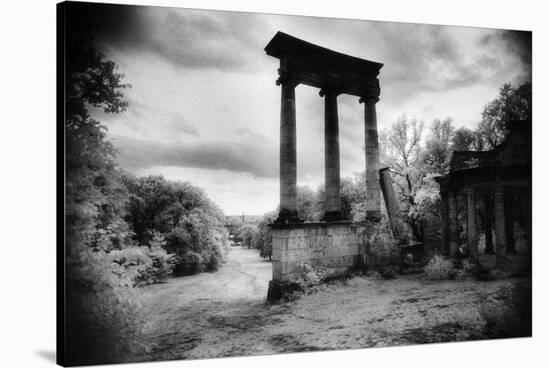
332, 159
500, 230
453, 225
288, 172
334, 246
471, 223
372, 160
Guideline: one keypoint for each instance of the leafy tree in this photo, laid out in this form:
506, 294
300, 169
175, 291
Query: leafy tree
436, 155
512, 103
413, 166
305, 203
465, 139
95, 200
191, 224
263, 237
402, 153
246, 234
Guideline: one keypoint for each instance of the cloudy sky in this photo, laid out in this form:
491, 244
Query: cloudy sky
204, 106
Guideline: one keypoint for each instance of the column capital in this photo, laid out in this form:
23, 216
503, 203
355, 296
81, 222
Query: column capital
328, 91
369, 99
287, 79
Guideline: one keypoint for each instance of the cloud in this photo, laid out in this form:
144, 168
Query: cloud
518, 47
246, 157
186, 38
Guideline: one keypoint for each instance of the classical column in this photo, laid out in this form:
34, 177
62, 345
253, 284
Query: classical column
333, 210
444, 208
288, 211
500, 228
372, 158
487, 200
509, 222
471, 224
392, 206
453, 225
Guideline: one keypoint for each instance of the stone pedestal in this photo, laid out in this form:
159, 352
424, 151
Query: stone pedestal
336, 246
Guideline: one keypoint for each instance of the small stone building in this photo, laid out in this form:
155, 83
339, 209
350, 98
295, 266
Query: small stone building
487, 195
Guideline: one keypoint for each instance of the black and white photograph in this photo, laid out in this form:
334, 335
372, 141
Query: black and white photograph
248, 184
274, 184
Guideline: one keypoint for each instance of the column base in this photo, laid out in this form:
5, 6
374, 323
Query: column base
375, 216
287, 217
333, 216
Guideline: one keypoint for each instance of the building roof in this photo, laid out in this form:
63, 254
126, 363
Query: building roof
509, 162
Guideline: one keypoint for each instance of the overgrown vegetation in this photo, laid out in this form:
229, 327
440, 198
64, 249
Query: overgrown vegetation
122, 232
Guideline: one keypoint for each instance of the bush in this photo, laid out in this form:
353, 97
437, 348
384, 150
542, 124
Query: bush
105, 321
312, 276
143, 265
439, 268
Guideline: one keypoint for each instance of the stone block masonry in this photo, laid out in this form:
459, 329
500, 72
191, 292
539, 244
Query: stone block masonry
338, 246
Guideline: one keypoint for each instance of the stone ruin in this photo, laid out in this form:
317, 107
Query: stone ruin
494, 185
334, 243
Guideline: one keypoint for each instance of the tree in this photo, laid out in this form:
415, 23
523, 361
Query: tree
263, 239
184, 215
95, 201
466, 139
402, 152
512, 103
246, 233
305, 203
438, 148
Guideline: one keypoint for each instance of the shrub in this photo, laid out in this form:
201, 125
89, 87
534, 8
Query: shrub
439, 268
143, 265
312, 276
105, 323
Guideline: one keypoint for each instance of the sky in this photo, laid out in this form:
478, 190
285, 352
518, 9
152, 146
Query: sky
204, 107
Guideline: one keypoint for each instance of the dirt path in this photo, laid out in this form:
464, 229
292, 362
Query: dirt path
225, 314
193, 315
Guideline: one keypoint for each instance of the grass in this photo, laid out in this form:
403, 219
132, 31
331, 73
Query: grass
356, 313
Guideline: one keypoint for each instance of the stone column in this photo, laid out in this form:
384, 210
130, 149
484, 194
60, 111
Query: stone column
471, 225
444, 208
392, 206
453, 225
488, 225
500, 228
333, 210
509, 223
288, 176
372, 158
